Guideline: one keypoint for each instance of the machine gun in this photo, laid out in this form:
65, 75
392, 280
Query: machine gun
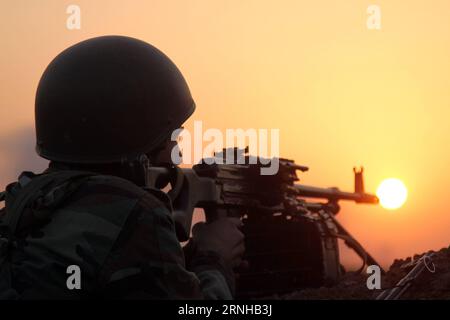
291, 243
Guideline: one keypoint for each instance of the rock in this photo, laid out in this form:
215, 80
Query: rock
353, 286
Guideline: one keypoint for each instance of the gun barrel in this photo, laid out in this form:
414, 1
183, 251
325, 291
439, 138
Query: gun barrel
334, 194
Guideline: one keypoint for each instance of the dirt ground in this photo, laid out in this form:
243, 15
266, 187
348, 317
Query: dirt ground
353, 286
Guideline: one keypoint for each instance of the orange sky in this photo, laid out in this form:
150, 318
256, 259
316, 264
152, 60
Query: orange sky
341, 95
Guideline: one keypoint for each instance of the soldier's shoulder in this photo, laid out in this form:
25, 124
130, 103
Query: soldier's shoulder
113, 185
108, 189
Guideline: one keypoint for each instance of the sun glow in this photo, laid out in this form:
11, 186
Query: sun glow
392, 193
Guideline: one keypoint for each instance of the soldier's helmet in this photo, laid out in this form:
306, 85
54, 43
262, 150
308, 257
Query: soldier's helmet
108, 99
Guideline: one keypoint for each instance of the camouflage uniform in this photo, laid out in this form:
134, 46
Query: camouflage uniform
123, 239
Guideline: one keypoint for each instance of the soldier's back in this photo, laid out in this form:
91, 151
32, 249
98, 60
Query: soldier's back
100, 228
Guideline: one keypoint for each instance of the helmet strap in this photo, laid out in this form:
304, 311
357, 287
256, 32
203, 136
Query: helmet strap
144, 162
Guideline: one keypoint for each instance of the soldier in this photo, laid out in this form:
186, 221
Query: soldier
105, 111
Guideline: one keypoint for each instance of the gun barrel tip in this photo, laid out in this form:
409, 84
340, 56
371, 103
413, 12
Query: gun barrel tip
375, 200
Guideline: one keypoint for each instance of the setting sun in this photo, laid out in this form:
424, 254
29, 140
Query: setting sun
392, 193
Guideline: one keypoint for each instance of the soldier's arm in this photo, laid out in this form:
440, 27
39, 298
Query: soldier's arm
147, 261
